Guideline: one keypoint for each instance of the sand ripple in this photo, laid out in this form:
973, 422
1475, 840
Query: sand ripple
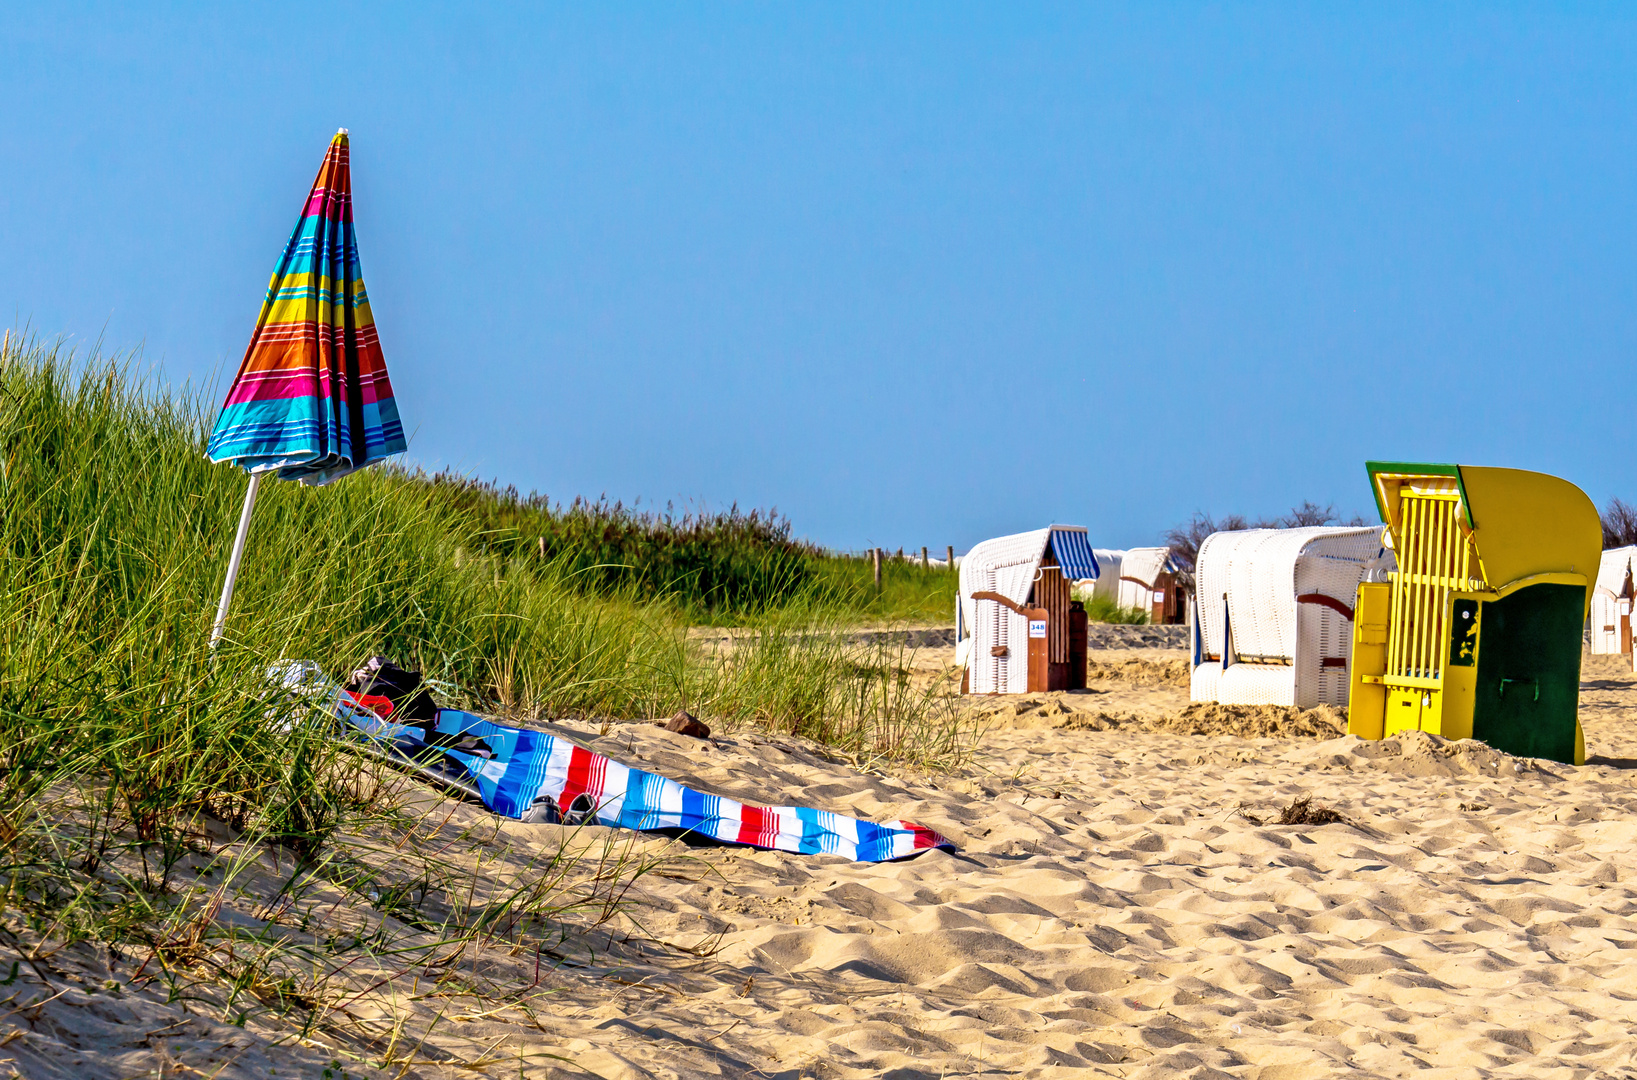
1116, 908
1112, 909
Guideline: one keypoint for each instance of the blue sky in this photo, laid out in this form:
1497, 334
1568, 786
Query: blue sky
912, 273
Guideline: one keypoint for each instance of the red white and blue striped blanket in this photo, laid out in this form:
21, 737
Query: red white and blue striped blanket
533, 776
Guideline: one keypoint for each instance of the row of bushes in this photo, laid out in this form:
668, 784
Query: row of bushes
718, 564
730, 566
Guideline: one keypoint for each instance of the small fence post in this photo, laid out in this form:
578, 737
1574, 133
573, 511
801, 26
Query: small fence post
875, 558
542, 547
925, 562
951, 550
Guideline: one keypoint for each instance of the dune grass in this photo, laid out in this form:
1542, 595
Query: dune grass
909, 593
728, 568
122, 737
1104, 610
709, 566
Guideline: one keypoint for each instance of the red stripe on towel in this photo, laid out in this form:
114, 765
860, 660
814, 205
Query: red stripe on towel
581, 763
756, 824
598, 779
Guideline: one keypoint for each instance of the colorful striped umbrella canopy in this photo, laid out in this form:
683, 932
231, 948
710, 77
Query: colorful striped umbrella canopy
312, 399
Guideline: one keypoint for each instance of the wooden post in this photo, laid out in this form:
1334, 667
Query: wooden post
875, 558
951, 550
542, 547
925, 562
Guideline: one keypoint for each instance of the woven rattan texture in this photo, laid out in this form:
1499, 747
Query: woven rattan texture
1251, 580
1605, 607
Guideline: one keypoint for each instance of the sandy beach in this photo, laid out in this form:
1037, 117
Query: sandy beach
1120, 904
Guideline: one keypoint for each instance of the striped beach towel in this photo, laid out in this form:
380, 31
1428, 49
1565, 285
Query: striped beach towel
533, 776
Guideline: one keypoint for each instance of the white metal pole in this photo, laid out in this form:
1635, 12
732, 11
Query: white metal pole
236, 558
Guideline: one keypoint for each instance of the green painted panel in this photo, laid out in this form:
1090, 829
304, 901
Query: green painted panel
1417, 468
1529, 672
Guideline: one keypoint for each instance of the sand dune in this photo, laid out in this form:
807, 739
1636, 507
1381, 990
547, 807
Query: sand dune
1114, 908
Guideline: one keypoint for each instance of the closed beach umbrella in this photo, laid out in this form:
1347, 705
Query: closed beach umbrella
311, 401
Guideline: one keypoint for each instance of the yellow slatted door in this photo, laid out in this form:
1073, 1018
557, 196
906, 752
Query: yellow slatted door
1434, 557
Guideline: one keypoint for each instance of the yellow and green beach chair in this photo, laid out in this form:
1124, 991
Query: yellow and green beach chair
1477, 633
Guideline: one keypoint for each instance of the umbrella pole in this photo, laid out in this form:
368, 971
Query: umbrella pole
234, 561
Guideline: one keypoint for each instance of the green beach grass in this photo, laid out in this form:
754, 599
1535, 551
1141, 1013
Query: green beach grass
1102, 609
728, 568
115, 535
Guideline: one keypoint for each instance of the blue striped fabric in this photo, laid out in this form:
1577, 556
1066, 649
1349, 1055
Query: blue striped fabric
1073, 553
530, 767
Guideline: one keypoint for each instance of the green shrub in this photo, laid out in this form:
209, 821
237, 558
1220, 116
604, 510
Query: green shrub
1104, 610
726, 568
708, 564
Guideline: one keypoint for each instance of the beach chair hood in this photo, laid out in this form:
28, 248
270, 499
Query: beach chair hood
1008, 565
